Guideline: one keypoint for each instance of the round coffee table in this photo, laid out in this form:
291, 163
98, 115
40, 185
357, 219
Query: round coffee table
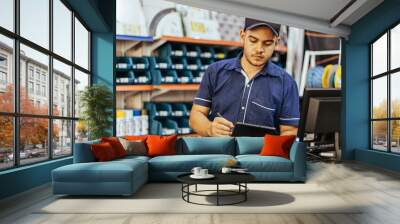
238, 179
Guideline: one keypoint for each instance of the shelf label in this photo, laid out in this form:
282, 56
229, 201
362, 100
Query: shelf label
193, 67
185, 130
122, 65
140, 66
206, 55
163, 65
167, 131
184, 79
177, 53
167, 79
178, 113
142, 79
162, 113
122, 80
192, 54
178, 66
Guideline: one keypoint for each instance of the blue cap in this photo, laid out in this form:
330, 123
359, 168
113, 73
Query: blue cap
253, 23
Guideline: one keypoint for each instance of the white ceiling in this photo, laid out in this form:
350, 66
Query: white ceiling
315, 15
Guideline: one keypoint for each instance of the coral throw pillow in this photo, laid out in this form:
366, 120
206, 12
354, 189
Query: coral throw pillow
275, 145
103, 152
116, 145
161, 145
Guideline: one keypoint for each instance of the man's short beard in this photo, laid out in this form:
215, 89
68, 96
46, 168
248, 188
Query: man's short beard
249, 61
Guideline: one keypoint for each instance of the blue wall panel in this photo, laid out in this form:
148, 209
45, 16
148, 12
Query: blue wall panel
356, 83
24, 178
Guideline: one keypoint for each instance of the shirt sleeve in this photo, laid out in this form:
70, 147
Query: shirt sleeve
204, 94
290, 111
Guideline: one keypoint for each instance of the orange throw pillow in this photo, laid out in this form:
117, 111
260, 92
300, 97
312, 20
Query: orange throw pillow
136, 138
275, 145
103, 152
161, 145
116, 145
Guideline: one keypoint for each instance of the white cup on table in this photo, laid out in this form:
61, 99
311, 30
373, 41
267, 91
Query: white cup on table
203, 172
196, 171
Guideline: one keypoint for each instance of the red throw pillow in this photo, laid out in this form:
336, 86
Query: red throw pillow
275, 145
116, 145
103, 152
161, 145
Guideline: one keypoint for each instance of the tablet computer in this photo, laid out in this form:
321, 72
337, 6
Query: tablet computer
251, 130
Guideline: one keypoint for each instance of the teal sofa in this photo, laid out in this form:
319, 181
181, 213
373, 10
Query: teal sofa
125, 176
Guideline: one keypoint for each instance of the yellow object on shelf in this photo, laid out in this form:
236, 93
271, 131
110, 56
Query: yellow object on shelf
325, 76
338, 77
121, 114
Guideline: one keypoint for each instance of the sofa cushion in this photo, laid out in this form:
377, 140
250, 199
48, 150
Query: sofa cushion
112, 171
103, 152
275, 145
249, 145
206, 145
161, 145
83, 152
185, 163
134, 147
116, 145
257, 163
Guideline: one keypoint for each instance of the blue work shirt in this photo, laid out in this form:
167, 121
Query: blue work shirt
270, 98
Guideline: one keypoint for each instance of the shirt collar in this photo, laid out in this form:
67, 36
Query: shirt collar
267, 70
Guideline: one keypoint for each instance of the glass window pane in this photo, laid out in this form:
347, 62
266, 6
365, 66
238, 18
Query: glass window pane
62, 138
81, 45
379, 55
6, 142
62, 29
81, 81
7, 14
6, 74
395, 94
379, 135
62, 89
379, 98
395, 47
395, 136
34, 80
35, 21
81, 132
33, 139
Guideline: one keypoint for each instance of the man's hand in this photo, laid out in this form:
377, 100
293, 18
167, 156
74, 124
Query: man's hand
288, 130
220, 127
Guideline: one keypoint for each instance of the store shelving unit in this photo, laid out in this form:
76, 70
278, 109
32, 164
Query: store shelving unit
177, 81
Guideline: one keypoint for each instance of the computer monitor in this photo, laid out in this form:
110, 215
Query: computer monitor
320, 111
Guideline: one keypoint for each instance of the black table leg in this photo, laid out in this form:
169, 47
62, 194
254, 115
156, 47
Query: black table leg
196, 188
245, 193
217, 194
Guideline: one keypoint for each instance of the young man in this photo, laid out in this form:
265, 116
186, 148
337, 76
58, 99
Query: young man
248, 88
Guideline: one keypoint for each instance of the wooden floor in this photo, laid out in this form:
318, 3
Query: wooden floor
377, 188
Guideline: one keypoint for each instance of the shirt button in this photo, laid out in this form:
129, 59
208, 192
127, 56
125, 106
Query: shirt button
242, 108
248, 85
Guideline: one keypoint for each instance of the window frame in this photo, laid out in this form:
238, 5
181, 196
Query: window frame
16, 114
388, 74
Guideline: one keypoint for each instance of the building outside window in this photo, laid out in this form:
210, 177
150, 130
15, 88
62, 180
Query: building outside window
56, 129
